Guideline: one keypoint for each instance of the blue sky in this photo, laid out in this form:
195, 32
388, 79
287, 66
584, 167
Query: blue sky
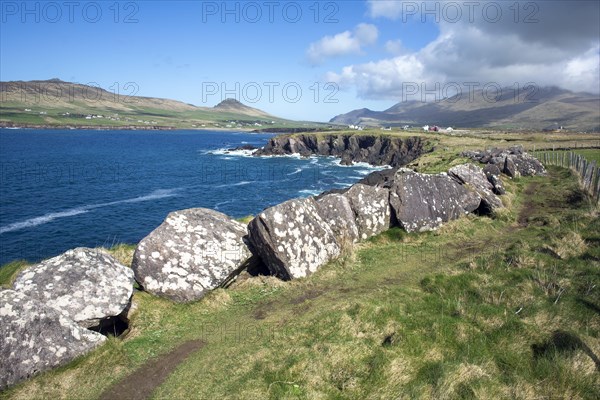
192, 51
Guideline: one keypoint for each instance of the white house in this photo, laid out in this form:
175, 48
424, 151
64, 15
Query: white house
426, 128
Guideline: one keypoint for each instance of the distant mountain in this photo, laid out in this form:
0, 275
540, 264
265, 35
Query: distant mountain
234, 106
57, 103
547, 107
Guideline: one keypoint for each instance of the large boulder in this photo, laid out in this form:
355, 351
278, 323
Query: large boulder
86, 285
192, 252
474, 177
293, 239
423, 202
336, 211
35, 337
371, 207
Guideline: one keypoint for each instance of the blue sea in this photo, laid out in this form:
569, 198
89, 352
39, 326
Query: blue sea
60, 189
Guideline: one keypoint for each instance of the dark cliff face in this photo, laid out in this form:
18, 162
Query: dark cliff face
375, 150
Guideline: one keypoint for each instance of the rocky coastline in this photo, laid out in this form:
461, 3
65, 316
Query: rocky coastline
194, 251
372, 149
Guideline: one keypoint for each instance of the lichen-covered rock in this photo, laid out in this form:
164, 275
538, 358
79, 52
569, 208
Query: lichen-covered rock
293, 239
371, 207
492, 173
473, 176
35, 337
423, 202
86, 285
513, 161
337, 213
192, 252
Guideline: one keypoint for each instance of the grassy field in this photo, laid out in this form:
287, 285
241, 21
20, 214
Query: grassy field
484, 308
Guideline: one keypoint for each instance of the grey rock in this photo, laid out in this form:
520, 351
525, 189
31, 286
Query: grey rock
382, 178
527, 165
371, 207
293, 239
336, 211
510, 168
492, 173
35, 338
496, 182
375, 150
491, 170
520, 162
474, 177
423, 202
192, 252
86, 285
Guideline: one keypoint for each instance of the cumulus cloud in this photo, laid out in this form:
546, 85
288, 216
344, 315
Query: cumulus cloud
562, 48
344, 43
394, 47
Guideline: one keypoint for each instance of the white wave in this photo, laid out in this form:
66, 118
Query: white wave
297, 171
309, 192
222, 203
233, 184
44, 219
228, 152
155, 195
344, 184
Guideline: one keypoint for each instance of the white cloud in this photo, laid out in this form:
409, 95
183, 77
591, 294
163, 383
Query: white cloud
344, 43
384, 8
504, 53
394, 47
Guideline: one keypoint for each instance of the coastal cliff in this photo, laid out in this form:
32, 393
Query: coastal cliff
375, 150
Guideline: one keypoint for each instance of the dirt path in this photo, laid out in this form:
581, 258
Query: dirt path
528, 205
141, 383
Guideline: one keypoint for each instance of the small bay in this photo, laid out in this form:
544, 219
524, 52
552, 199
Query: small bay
60, 189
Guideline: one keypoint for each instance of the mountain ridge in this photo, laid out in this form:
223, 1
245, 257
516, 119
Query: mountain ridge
525, 110
53, 102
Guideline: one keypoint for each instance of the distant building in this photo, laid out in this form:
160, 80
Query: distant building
426, 128
555, 127
449, 129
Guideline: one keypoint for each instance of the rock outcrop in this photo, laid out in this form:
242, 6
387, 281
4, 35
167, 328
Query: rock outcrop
474, 177
423, 202
336, 211
513, 161
35, 337
87, 285
192, 252
492, 173
293, 239
371, 207
375, 150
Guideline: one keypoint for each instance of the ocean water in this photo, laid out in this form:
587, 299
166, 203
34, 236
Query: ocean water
60, 189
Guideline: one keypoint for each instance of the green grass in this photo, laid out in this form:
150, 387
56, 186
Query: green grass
448, 314
9, 272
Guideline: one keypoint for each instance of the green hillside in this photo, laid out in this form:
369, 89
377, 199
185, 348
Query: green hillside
55, 103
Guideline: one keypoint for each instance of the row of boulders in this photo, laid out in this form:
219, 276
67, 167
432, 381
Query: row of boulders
513, 161
196, 250
47, 316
